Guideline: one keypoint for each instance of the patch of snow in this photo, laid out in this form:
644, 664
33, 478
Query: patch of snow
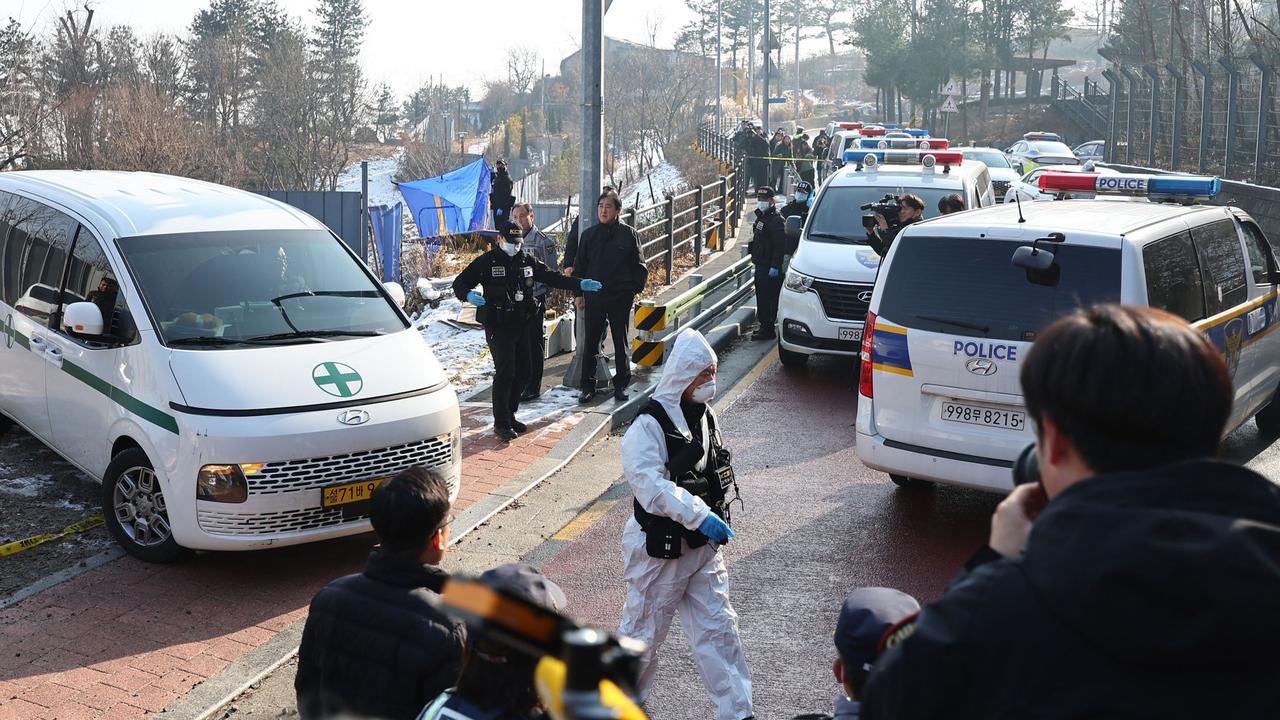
478, 149
24, 486
463, 352
382, 188
66, 504
665, 177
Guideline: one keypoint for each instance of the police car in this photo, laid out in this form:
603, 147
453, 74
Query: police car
1040, 148
231, 371
828, 283
1003, 176
1028, 189
957, 306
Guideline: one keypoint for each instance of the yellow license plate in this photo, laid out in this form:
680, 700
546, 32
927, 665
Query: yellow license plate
348, 493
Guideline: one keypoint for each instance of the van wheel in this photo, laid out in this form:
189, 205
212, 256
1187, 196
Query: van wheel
1268, 418
793, 360
134, 506
911, 484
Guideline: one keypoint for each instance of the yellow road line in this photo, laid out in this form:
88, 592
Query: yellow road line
589, 517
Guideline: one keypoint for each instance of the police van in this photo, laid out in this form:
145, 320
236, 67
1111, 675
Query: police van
229, 370
960, 299
828, 284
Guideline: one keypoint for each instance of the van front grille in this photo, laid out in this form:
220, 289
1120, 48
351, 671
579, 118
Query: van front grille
302, 475
271, 523
841, 301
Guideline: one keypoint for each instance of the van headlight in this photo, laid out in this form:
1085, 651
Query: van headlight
221, 483
797, 281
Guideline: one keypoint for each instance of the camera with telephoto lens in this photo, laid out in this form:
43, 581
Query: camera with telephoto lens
889, 206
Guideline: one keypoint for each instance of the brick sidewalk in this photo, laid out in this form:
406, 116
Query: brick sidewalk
127, 639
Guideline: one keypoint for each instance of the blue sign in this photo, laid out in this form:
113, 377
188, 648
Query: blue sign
774, 101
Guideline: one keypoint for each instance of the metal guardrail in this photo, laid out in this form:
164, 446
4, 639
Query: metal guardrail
657, 325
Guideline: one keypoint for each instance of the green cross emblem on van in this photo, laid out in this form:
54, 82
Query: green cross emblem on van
337, 379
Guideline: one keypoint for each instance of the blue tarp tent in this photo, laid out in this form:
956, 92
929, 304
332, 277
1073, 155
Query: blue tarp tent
456, 202
388, 233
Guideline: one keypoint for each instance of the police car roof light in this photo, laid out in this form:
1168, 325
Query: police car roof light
903, 157
890, 126
1156, 186
880, 143
873, 130
849, 125
916, 132
934, 143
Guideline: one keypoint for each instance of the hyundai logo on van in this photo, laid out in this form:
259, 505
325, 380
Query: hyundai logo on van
864, 296
353, 417
981, 366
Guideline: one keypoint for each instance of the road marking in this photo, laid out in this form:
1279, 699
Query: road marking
589, 517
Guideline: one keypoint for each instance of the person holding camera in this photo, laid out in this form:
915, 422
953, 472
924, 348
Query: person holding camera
508, 278
1129, 574
497, 680
680, 476
880, 236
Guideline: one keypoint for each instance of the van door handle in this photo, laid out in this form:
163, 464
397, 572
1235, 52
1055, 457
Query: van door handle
37, 343
1257, 318
53, 355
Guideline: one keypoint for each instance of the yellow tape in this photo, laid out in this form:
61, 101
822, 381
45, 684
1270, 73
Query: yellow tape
18, 546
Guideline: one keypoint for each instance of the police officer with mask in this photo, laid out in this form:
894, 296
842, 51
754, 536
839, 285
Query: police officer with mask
768, 246
508, 276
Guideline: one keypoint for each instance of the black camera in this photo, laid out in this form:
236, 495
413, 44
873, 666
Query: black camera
889, 206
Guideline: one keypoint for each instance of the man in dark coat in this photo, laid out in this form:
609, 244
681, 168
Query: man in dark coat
502, 196
1138, 578
768, 245
758, 158
798, 207
374, 644
509, 277
542, 247
609, 252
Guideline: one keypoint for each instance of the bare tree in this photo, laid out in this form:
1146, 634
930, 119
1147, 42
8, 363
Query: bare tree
522, 69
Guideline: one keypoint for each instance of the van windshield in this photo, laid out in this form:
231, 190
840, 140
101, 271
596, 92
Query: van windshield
255, 287
837, 219
962, 286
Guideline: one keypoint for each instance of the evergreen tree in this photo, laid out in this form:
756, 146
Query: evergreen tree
339, 82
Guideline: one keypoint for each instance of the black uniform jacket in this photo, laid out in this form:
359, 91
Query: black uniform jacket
768, 239
611, 254
1150, 594
508, 283
374, 644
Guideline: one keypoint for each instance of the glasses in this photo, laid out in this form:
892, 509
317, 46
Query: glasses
448, 521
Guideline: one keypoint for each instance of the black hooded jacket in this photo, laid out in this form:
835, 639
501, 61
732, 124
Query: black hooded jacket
374, 644
1140, 595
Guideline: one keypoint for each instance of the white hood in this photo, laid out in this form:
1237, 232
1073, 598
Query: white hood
690, 355
836, 261
307, 374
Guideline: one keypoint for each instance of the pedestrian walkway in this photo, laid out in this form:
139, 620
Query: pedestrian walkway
126, 639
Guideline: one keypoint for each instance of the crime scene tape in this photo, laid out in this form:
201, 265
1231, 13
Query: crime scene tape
18, 546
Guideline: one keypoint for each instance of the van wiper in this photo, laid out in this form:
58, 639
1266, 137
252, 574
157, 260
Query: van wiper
958, 323
833, 236
306, 334
210, 340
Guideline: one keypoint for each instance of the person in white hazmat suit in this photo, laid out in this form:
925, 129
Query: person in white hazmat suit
696, 583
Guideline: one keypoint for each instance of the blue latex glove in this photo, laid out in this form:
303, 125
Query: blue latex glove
773, 272
716, 529
475, 298
591, 285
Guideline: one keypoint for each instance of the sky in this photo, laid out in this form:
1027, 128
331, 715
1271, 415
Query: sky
408, 42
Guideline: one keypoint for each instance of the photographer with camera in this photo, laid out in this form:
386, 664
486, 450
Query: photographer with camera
680, 476
889, 216
1129, 574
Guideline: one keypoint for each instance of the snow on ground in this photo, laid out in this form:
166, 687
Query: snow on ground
463, 352
665, 177
382, 190
24, 486
478, 148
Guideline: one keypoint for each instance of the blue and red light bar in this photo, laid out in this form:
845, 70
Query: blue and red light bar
915, 132
1188, 186
873, 130
871, 158
849, 125
905, 143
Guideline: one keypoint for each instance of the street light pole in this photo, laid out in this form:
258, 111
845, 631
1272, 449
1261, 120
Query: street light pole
592, 110
719, 72
768, 45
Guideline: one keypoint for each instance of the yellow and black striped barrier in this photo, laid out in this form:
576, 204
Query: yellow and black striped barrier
651, 318
646, 352
647, 348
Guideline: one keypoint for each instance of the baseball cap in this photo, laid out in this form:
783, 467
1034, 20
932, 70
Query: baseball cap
512, 232
764, 193
526, 581
871, 620
804, 186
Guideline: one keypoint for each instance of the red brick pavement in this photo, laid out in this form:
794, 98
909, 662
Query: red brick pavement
127, 639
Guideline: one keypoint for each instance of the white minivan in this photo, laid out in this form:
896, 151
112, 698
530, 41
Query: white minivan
226, 366
827, 288
961, 299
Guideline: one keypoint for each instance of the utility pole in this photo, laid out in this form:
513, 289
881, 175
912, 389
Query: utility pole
768, 45
798, 103
719, 72
751, 57
592, 110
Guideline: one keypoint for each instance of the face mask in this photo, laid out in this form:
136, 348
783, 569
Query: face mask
802, 197
763, 206
704, 393
510, 248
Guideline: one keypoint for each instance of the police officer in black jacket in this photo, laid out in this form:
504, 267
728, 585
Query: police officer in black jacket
798, 207
768, 245
610, 252
508, 277
502, 196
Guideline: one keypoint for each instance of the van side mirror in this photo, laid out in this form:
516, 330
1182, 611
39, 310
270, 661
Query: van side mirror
396, 292
83, 320
795, 224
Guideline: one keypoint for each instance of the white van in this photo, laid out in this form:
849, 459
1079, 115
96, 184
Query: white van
955, 311
827, 288
235, 376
